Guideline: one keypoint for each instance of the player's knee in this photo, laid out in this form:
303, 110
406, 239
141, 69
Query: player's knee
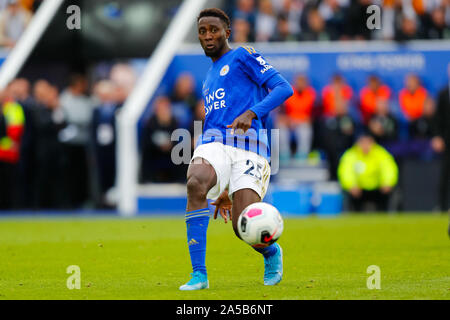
196, 189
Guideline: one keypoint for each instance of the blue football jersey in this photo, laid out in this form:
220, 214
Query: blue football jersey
233, 85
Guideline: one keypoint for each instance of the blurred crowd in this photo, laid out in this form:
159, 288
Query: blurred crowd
15, 15
403, 122
408, 124
57, 147
315, 20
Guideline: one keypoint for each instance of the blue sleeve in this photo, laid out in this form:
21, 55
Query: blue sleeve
280, 91
262, 73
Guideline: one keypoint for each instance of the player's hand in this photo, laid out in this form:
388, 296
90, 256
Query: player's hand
223, 206
243, 122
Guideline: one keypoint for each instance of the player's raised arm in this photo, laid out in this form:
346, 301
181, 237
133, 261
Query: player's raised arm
281, 90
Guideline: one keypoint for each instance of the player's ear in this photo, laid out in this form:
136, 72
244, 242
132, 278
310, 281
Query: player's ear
228, 32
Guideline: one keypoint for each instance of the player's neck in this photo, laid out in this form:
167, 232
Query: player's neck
224, 51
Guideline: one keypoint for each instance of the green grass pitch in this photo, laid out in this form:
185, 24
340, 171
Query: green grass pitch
147, 258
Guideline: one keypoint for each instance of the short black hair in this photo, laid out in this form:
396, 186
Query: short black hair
215, 12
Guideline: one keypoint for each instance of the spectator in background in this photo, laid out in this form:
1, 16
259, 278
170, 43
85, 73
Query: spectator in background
412, 98
336, 134
431, 17
291, 10
283, 32
20, 91
245, 10
368, 174
124, 77
49, 121
434, 24
13, 22
183, 99
387, 32
298, 119
157, 165
422, 128
408, 29
334, 14
316, 27
110, 94
372, 95
241, 30
335, 95
420, 131
266, 21
103, 138
355, 21
12, 121
383, 126
77, 108
441, 143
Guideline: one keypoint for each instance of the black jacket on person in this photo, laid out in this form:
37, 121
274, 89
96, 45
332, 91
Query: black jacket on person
421, 128
49, 182
47, 128
157, 165
442, 116
336, 135
390, 129
442, 129
27, 161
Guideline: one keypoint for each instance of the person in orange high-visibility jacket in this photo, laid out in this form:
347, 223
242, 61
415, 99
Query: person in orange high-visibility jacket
334, 95
371, 96
412, 98
13, 119
299, 109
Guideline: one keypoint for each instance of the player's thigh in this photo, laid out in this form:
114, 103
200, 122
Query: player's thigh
217, 174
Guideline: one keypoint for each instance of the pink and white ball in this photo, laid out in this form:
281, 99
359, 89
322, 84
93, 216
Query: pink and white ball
260, 225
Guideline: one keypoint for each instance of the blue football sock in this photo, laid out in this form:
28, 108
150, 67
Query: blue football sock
197, 224
267, 251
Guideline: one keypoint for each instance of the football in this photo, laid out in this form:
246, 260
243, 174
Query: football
260, 225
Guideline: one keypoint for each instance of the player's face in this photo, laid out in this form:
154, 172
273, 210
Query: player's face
212, 35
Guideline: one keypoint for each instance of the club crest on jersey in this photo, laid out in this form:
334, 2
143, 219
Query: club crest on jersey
224, 70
